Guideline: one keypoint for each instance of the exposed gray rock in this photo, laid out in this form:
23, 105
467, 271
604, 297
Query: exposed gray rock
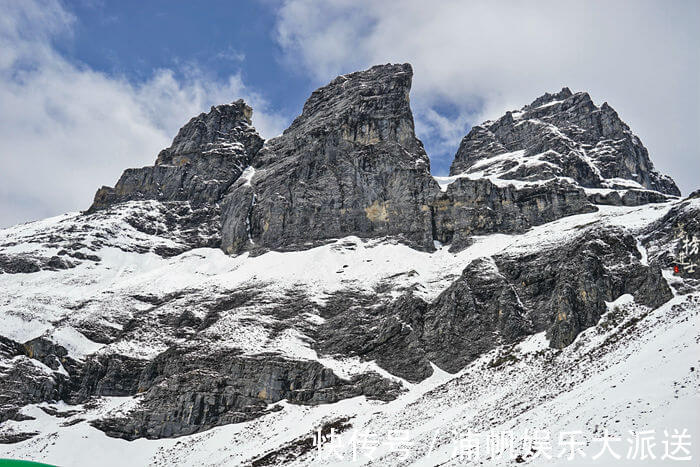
192, 176
385, 333
207, 155
674, 240
105, 375
561, 290
26, 263
478, 207
350, 164
628, 198
562, 135
565, 289
182, 391
475, 314
188, 390
24, 380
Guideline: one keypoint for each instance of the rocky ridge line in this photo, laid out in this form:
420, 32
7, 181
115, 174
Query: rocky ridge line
351, 164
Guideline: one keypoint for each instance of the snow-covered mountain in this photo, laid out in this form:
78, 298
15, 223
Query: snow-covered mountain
229, 303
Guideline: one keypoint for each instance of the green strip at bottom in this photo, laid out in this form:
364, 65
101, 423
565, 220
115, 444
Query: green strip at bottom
20, 463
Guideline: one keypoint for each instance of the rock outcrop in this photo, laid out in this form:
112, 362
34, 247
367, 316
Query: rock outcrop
185, 391
351, 164
208, 154
181, 391
191, 177
500, 300
478, 207
680, 227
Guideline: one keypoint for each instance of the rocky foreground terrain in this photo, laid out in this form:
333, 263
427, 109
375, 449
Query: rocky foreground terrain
238, 298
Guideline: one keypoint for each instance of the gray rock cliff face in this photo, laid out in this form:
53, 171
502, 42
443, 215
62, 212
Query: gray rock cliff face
350, 164
478, 207
181, 391
500, 300
189, 390
191, 177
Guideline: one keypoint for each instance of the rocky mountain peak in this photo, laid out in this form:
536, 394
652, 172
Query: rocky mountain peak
547, 97
128, 321
349, 164
370, 106
561, 135
222, 126
207, 155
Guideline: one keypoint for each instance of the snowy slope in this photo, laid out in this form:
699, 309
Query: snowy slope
536, 388
636, 369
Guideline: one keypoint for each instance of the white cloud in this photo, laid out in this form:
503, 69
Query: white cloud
487, 57
65, 129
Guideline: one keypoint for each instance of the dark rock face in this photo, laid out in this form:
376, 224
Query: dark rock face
186, 391
350, 164
192, 176
385, 333
477, 207
475, 314
674, 240
498, 301
563, 135
561, 291
25, 380
628, 198
25, 263
207, 155
181, 391
565, 290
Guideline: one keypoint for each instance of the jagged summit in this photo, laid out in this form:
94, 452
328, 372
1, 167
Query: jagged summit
351, 164
546, 98
206, 156
561, 135
209, 133
372, 105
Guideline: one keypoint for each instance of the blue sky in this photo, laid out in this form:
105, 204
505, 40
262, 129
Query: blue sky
133, 38
90, 87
